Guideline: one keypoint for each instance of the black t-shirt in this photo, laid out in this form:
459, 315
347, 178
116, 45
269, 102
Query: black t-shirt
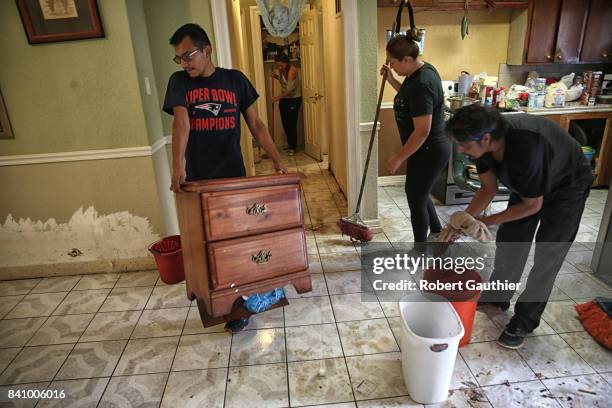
540, 159
214, 105
421, 94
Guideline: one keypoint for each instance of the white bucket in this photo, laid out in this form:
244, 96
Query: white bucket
431, 331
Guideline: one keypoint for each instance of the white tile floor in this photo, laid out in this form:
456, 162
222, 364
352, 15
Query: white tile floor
128, 340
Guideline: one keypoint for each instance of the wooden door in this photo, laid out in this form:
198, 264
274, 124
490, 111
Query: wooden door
543, 31
312, 71
597, 43
571, 28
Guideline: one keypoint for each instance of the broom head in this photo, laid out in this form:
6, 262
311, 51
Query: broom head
355, 228
596, 322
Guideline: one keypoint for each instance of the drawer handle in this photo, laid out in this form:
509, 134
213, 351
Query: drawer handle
262, 256
257, 209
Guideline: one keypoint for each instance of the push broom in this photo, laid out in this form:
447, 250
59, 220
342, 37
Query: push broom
354, 226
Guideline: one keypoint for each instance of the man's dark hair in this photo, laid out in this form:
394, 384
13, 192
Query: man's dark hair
193, 31
472, 122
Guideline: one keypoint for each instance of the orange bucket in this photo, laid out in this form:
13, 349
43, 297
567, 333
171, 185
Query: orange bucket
464, 301
169, 259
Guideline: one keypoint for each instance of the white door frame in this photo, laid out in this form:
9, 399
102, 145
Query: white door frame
351, 74
220, 21
351, 97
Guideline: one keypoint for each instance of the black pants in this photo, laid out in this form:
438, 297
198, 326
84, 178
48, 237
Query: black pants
289, 110
422, 170
559, 220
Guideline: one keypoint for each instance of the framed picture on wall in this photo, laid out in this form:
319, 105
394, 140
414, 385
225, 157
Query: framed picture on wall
6, 132
60, 20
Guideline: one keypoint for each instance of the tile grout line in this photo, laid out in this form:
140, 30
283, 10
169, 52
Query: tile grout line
175, 351
126, 343
81, 335
348, 372
40, 327
287, 359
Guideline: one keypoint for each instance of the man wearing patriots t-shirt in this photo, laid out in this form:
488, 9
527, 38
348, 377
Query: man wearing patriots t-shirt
206, 102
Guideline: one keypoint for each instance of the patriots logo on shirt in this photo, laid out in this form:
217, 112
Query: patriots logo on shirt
211, 107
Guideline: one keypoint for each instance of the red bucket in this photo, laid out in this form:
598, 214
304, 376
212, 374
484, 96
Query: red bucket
169, 259
464, 301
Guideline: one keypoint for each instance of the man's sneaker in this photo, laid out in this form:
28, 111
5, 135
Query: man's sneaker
513, 337
235, 326
503, 306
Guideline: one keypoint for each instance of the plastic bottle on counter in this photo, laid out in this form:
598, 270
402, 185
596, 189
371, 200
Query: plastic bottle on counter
501, 98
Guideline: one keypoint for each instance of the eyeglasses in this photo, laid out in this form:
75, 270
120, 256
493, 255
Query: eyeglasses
185, 57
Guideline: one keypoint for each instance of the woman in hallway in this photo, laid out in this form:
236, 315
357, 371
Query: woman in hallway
419, 113
290, 98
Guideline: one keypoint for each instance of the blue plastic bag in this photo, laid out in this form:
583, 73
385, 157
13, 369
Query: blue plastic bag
263, 301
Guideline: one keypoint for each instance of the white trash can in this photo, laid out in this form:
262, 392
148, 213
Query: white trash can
431, 331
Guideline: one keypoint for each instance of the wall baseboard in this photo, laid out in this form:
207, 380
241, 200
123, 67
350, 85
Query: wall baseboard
388, 181
77, 268
84, 155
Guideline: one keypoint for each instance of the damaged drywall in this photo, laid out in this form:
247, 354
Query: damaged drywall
86, 238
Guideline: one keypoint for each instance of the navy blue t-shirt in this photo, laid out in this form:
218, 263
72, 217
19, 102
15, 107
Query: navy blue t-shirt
214, 105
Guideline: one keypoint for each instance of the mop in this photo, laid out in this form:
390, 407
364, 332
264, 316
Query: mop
353, 226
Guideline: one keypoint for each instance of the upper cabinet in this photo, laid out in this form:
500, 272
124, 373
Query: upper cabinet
597, 44
562, 31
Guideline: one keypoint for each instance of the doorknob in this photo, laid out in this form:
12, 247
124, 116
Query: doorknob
603, 54
559, 56
549, 57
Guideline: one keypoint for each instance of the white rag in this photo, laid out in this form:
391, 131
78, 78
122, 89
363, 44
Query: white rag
461, 221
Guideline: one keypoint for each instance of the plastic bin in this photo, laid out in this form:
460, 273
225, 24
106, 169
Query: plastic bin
169, 259
464, 301
431, 330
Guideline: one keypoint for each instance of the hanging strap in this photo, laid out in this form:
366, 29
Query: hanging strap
398, 19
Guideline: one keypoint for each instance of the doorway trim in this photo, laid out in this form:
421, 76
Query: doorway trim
220, 19
351, 95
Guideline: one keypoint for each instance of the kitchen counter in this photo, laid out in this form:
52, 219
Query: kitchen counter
569, 108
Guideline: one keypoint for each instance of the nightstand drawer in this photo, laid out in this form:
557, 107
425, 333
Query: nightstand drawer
245, 260
232, 214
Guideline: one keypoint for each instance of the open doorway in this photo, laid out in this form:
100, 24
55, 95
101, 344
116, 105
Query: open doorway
305, 106
304, 49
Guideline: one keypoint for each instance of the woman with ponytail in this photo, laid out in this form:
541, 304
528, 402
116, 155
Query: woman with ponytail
419, 113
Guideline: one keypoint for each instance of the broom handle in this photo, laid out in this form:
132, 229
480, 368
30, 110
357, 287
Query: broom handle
372, 135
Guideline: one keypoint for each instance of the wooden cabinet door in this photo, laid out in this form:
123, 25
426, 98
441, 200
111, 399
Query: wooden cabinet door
597, 43
571, 27
543, 31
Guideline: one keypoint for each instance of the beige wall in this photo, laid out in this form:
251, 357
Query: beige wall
57, 190
70, 96
481, 51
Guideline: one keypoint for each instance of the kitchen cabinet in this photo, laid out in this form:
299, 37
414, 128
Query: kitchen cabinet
572, 22
561, 31
603, 161
555, 32
597, 44
542, 31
